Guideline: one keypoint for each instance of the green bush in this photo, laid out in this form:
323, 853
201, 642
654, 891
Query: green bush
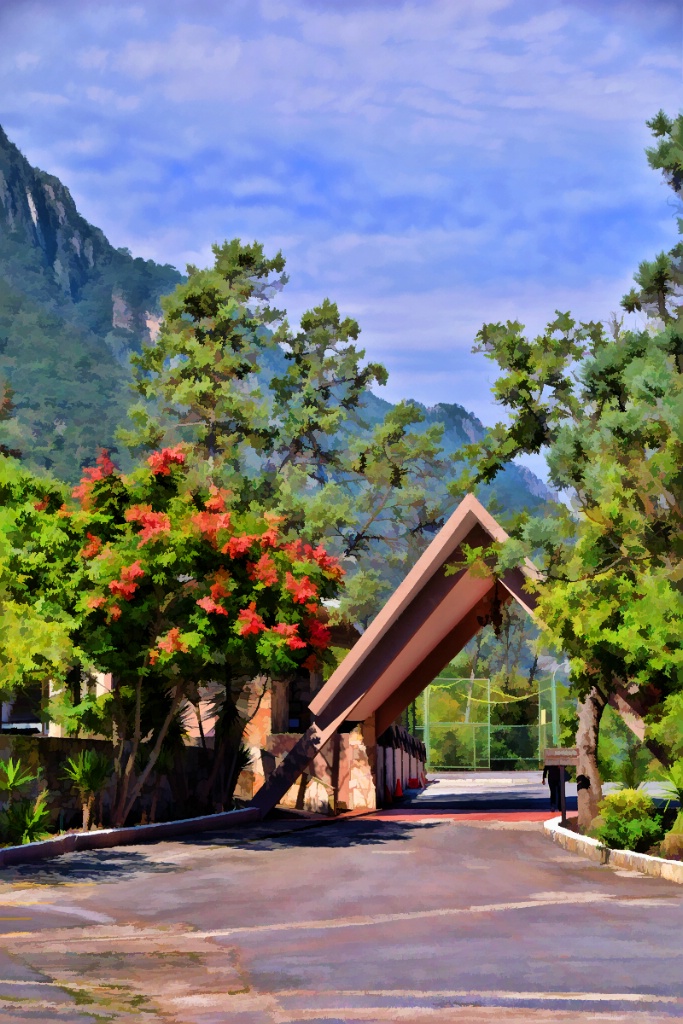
628, 820
25, 821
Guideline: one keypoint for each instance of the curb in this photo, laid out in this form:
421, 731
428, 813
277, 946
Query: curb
104, 838
655, 867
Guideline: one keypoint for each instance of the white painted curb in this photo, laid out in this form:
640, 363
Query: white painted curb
104, 838
656, 867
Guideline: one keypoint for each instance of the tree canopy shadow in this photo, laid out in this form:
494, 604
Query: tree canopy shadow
330, 835
87, 866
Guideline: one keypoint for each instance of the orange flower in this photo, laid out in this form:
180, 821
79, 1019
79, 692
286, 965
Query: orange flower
311, 663
115, 612
172, 643
264, 570
209, 605
161, 462
250, 621
218, 589
216, 503
91, 549
96, 602
209, 523
40, 506
301, 589
126, 586
294, 641
91, 474
238, 546
154, 524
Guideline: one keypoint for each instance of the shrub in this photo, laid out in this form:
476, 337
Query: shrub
628, 820
25, 821
90, 772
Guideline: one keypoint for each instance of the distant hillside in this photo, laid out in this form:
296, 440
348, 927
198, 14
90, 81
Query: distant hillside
72, 308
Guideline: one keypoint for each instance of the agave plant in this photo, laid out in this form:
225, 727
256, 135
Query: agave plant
25, 821
13, 776
90, 772
673, 781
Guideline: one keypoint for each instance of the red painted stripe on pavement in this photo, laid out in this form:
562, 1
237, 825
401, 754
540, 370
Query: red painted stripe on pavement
411, 815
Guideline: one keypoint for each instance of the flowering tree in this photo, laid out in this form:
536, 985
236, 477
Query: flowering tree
187, 586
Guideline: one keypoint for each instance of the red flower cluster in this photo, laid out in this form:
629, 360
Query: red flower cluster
263, 571
169, 644
301, 552
216, 503
161, 462
153, 524
96, 602
92, 548
238, 546
209, 523
270, 538
209, 605
294, 641
40, 506
318, 634
91, 474
250, 621
218, 588
301, 589
126, 586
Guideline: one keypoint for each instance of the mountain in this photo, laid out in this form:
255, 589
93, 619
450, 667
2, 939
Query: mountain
73, 308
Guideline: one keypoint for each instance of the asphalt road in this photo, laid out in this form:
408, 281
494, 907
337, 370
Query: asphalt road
428, 916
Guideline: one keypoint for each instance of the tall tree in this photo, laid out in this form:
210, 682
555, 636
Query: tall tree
182, 588
607, 409
278, 416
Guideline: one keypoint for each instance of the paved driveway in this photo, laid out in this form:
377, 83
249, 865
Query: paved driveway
421, 917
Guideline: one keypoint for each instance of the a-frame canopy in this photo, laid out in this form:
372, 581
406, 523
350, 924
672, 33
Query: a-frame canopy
424, 624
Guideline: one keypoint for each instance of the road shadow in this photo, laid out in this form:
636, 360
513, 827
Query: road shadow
336, 834
88, 866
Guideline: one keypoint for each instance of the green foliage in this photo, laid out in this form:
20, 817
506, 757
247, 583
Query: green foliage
13, 777
621, 757
628, 820
25, 821
279, 416
89, 771
183, 584
21, 820
606, 407
39, 578
673, 781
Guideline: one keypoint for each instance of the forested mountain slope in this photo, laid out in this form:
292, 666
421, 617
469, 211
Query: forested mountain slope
72, 308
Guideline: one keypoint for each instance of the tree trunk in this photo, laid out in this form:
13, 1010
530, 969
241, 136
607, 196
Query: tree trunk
588, 782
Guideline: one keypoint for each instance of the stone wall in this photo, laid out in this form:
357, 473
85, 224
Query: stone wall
176, 794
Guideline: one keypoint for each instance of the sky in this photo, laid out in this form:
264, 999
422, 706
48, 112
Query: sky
429, 165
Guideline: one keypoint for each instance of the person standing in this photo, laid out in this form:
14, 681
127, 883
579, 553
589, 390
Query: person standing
552, 772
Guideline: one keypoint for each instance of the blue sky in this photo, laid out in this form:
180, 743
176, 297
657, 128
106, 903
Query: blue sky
428, 165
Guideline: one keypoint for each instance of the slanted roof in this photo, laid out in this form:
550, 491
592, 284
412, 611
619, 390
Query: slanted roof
423, 625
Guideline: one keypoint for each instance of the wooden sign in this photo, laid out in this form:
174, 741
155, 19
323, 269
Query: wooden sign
560, 756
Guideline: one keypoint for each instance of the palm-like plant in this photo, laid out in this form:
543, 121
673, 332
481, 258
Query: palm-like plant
13, 776
90, 772
21, 820
26, 821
